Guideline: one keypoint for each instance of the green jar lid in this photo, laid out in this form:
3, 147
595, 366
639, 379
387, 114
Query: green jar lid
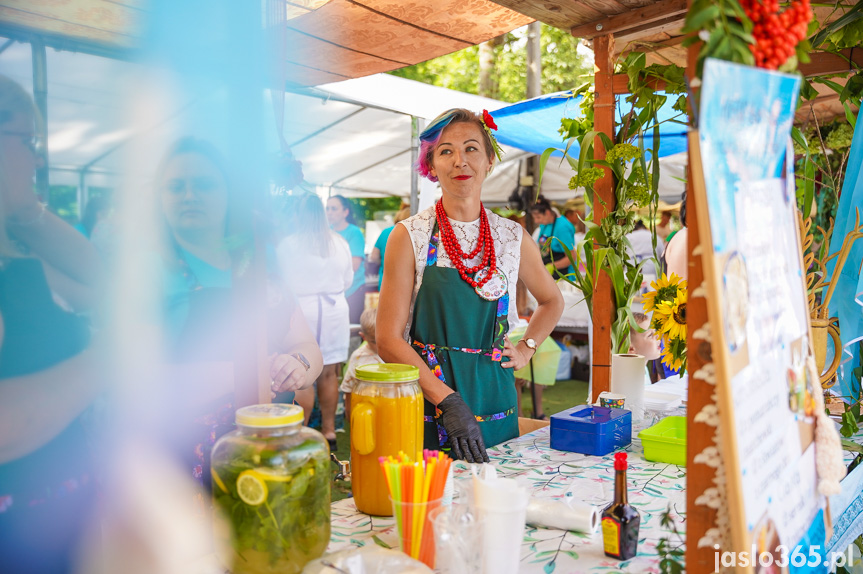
388, 373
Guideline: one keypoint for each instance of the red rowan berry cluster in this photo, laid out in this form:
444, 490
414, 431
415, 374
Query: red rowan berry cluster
776, 34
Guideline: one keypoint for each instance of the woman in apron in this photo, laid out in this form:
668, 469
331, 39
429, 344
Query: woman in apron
448, 294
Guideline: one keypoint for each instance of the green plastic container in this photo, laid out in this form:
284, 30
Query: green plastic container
665, 441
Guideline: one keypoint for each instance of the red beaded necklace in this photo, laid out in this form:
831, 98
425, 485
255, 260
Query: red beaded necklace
458, 257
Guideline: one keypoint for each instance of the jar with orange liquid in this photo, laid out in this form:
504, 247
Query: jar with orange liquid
386, 418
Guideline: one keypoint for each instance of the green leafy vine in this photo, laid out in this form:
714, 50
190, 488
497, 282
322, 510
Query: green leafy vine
634, 169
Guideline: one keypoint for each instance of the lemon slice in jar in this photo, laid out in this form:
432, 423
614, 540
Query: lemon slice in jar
250, 488
218, 481
270, 475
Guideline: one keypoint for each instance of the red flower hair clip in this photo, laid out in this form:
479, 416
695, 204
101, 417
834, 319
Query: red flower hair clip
488, 120
488, 123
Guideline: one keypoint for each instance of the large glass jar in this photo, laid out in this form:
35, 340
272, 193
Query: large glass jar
271, 490
386, 418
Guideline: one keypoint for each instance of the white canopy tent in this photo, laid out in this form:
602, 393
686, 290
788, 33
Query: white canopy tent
361, 140
353, 137
86, 122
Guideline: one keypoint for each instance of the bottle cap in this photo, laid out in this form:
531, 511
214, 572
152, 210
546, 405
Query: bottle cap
620, 461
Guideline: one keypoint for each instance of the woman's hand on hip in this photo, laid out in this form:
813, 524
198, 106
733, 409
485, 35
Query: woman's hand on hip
287, 373
519, 356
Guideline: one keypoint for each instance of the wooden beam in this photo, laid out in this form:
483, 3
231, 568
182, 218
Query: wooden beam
699, 476
558, 14
672, 24
637, 17
620, 84
825, 63
649, 47
603, 299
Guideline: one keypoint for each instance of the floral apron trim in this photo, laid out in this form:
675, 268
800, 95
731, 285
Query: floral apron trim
428, 350
479, 418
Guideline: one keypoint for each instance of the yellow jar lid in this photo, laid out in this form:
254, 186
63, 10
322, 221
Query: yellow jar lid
272, 415
388, 373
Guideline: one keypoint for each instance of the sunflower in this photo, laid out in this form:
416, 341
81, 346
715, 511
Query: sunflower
672, 362
647, 301
674, 354
665, 289
673, 314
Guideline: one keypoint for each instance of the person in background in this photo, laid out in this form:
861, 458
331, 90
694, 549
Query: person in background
574, 212
645, 343
342, 221
664, 226
316, 265
366, 354
642, 248
377, 255
50, 374
675, 254
551, 225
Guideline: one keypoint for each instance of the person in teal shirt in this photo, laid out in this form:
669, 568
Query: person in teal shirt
341, 220
379, 251
377, 254
553, 225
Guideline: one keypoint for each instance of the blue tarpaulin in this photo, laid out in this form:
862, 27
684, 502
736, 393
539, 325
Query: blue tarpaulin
847, 300
533, 125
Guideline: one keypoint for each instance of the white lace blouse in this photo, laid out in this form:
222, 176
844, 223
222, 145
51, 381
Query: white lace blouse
506, 235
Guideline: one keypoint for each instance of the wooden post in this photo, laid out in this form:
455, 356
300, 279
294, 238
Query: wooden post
700, 436
603, 299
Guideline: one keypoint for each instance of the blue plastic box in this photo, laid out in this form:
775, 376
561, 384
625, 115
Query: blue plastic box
591, 430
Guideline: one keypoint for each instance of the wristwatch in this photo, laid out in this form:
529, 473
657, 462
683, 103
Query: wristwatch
531, 344
301, 358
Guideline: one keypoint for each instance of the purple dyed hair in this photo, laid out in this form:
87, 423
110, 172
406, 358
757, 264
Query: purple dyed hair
430, 138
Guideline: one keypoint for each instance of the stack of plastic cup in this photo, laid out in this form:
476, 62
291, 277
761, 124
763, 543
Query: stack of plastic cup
502, 506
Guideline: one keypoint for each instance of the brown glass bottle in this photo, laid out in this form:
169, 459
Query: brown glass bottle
620, 521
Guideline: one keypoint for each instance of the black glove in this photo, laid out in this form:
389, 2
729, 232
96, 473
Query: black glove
462, 429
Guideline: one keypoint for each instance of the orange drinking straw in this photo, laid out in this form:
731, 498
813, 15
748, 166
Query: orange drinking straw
407, 498
431, 465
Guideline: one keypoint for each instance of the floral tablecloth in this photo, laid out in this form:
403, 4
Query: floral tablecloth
653, 487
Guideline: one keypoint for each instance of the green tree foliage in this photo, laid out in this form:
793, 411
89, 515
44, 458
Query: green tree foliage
563, 67
63, 200
365, 208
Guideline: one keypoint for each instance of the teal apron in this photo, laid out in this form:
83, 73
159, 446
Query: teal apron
460, 336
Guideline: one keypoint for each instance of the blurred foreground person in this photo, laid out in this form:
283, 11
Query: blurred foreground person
201, 257
48, 377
